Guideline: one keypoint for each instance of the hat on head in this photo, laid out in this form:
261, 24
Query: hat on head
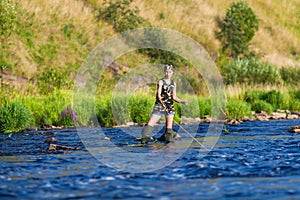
168, 67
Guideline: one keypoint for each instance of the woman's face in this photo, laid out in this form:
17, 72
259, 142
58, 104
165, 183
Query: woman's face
168, 73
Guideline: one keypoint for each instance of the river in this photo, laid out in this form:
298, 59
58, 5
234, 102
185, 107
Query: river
255, 160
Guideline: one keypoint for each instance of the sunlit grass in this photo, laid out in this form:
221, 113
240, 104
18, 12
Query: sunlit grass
279, 22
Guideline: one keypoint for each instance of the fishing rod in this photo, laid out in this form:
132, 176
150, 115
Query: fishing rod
202, 145
166, 110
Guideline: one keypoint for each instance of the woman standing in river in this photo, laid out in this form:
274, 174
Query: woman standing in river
164, 106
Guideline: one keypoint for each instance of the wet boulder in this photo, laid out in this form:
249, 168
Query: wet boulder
295, 129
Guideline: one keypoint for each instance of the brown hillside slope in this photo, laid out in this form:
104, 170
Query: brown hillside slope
277, 41
278, 38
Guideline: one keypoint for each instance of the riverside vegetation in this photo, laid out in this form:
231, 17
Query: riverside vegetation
42, 48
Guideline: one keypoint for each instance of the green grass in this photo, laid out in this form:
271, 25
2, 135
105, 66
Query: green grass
14, 117
237, 109
62, 108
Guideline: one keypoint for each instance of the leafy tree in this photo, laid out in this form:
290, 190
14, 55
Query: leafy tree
237, 29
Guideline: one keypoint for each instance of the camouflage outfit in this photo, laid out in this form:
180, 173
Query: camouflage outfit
165, 105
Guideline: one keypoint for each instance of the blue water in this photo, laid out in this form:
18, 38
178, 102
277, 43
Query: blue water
255, 160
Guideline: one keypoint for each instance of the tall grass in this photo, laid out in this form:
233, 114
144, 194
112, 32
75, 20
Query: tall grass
58, 109
237, 109
47, 109
250, 71
14, 117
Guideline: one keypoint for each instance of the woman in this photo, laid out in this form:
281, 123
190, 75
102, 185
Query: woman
164, 105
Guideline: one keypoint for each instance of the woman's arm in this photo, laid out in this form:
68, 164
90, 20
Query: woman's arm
159, 89
175, 98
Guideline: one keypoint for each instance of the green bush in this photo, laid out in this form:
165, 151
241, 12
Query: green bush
190, 110
237, 109
47, 109
253, 95
178, 112
275, 98
238, 28
294, 101
104, 112
8, 17
250, 71
53, 78
204, 106
121, 15
120, 106
296, 94
290, 75
14, 117
260, 105
140, 108
294, 105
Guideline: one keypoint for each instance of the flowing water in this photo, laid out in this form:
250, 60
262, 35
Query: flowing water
255, 160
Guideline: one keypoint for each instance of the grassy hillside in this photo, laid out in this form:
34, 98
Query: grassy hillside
277, 40
40, 59
59, 34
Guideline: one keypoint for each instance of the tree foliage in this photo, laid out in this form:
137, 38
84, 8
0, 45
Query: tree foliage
121, 15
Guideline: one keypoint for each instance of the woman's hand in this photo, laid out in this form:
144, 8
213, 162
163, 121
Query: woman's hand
185, 102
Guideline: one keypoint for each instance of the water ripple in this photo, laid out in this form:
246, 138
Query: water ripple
257, 160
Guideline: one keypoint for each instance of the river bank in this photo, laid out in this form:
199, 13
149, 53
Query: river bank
56, 110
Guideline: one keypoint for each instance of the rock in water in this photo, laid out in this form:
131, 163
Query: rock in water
54, 147
51, 139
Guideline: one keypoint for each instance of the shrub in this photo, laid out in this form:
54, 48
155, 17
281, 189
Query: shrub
294, 105
140, 108
296, 94
8, 17
120, 106
205, 107
290, 75
104, 112
250, 71
190, 110
86, 107
47, 109
275, 98
178, 112
121, 15
14, 117
260, 105
253, 95
294, 101
52, 79
238, 28
237, 109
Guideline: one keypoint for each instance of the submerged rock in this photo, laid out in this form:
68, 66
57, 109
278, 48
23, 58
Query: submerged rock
54, 147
